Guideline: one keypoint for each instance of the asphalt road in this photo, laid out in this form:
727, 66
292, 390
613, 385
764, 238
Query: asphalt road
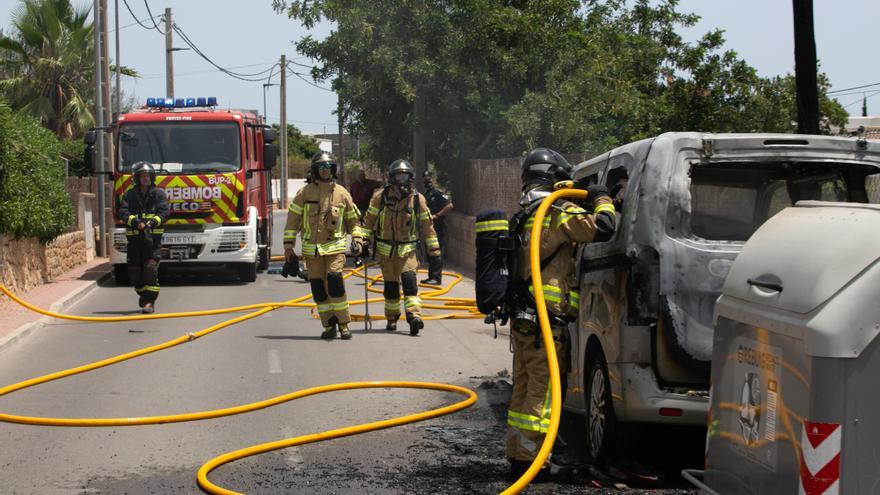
264, 357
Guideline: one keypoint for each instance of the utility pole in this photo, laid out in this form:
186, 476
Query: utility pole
864, 105
169, 61
419, 136
99, 122
283, 176
807, 91
118, 108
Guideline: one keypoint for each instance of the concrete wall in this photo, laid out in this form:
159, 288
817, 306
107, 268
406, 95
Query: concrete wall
27, 263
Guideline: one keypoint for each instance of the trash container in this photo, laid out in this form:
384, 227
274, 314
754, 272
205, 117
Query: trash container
795, 397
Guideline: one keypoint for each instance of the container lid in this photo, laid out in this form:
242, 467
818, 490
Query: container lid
804, 255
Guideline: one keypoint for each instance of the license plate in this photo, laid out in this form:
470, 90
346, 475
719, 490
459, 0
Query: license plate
181, 239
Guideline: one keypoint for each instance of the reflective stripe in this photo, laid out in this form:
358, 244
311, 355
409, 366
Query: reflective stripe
527, 422
552, 293
332, 247
352, 213
432, 242
372, 210
383, 248
295, 209
151, 288
405, 249
531, 221
290, 235
393, 304
574, 299
604, 207
340, 306
362, 232
492, 225
158, 231
131, 232
309, 249
131, 219
325, 308
568, 214
155, 218
412, 302
307, 229
424, 215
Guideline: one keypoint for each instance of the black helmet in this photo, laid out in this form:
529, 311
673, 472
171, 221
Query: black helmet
323, 157
142, 167
544, 167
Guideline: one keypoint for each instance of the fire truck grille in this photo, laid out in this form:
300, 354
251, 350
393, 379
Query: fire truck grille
232, 241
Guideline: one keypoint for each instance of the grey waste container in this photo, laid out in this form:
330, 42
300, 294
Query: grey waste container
795, 397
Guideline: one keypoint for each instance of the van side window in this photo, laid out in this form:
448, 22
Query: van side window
617, 181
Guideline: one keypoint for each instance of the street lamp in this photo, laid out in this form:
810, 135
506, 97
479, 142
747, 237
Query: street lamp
265, 87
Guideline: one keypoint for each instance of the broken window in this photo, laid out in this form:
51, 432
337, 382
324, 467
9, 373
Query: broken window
729, 201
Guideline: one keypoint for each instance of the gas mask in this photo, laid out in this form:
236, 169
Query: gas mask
402, 181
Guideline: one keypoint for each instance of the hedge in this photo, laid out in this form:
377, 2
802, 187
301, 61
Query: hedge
33, 198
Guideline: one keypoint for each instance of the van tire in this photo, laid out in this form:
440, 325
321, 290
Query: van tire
247, 272
263, 259
600, 422
120, 275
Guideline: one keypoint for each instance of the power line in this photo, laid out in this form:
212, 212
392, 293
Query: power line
137, 21
152, 18
867, 95
244, 77
854, 87
206, 71
132, 24
301, 76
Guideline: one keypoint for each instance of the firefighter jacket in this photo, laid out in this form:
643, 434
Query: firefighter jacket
565, 225
397, 222
138, 207
323, 212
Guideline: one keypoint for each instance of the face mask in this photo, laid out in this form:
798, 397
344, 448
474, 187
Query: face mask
400, 180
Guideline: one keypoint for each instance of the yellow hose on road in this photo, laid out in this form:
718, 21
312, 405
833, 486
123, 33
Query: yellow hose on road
262, 308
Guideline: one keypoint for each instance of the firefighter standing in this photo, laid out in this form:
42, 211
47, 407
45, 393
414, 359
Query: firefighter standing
564, 226
398, 215
144, 209
323, 212
439, 204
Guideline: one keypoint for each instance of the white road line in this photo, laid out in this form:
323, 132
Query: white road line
274, 362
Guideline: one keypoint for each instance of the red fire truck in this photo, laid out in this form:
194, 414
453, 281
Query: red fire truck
214, 167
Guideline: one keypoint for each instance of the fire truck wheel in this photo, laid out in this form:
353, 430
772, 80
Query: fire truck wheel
120, 275
247, 272
263, 259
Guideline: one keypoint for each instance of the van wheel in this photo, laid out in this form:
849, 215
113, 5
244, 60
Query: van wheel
600, 410
247, 272
120, 275
263, 259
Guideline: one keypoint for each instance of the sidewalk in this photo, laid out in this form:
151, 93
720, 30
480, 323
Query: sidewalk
17, 321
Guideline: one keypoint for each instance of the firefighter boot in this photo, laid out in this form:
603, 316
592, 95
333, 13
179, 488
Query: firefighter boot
391, 325
148, 308
329, 332
415, 324
344, 332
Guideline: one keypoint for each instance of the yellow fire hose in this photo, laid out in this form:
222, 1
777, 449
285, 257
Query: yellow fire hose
262, 308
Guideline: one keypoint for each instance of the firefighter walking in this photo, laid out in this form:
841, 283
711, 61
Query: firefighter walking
323, 213
565, 225
398, 216
439, 204
144, 209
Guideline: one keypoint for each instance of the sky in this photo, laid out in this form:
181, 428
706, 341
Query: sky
249, 36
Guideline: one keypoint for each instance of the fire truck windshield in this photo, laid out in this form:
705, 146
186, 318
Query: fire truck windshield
180, 147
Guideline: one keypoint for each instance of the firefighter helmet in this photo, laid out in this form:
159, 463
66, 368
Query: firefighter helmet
401, 173
143, 168
322, 158
544, 167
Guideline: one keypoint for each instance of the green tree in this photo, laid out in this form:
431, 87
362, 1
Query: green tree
48, 65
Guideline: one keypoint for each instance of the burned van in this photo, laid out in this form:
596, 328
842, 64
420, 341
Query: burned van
687, 202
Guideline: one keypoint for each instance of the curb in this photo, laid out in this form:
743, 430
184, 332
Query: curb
57, 307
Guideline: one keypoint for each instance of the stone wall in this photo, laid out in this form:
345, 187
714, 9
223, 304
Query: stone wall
27, 263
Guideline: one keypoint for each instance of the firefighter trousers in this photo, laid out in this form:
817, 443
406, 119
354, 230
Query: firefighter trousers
400, 272
142, 262
328, 287
528, 416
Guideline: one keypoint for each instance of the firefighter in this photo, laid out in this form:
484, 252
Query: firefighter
398, 216
439, 204
323, 212
565, 225
144, 209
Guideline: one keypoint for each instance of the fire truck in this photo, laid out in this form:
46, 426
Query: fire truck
214, 167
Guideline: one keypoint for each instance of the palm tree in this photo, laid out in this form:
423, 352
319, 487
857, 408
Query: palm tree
48, 65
